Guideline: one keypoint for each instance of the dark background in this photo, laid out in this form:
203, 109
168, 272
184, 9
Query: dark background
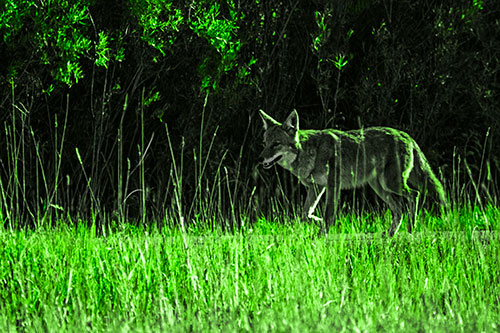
89, 88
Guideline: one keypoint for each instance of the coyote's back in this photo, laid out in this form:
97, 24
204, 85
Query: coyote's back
386, 159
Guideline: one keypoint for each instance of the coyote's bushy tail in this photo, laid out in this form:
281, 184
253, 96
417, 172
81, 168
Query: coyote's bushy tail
432, 184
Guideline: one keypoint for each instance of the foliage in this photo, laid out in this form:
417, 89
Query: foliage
107, 76
55, 35
266, 277
160, 22
221, 34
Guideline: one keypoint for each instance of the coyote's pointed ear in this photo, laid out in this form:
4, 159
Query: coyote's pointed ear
292, 122
268, 120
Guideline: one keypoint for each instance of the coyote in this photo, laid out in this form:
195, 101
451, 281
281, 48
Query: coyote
387, 159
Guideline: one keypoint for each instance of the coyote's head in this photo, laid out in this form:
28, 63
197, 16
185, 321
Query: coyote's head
280, 141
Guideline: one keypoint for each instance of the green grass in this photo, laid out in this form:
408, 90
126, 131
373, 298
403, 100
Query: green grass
267, 277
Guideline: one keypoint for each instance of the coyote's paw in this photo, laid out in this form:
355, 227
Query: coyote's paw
309, 215
305, 216
315, 218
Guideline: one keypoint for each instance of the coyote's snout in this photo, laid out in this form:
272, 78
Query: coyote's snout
386, 159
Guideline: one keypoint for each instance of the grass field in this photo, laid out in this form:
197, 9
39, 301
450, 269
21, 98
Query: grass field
266, 277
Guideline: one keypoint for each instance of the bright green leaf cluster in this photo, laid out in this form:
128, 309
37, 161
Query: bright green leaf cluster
321, 39
57, 34
153, 96
102, 50
323, 30
159, 19
340, 61
221, 33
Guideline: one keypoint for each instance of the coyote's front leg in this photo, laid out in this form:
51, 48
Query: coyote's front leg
311, 202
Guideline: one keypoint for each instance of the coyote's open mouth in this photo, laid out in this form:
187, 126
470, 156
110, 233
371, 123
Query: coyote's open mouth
269, 162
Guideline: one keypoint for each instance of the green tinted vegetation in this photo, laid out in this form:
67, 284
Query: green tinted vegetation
268, 276
120, 114
62, 36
